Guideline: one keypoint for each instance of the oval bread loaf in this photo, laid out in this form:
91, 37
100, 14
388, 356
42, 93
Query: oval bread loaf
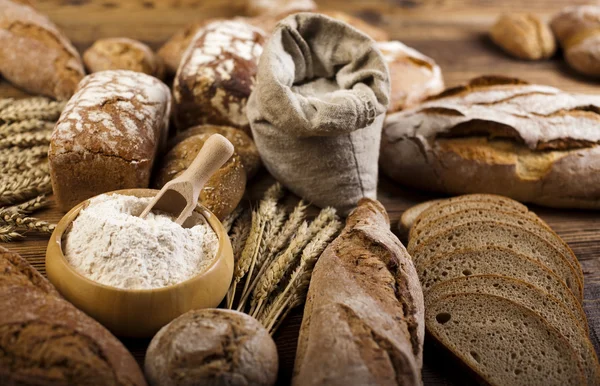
523, 35
35, 55
122, 54
222, 192
216, 75
212, 347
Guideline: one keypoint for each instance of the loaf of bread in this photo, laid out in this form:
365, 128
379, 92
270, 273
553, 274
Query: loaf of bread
275, 7
375, 33
363, 319
216, 75
222, 192
577, 28
212, 347
108, 135
413, 76
44, 340
34, 54
499, 135
122, 54
523, 35
243, 144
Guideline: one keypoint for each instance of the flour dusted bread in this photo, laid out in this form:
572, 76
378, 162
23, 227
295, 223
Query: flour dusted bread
216, 75
363, 316
34, 54
498, 135
44, 340
108, 135
212, 347
503, 342
122, 54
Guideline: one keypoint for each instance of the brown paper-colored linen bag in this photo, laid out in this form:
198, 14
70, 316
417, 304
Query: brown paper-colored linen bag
317, 109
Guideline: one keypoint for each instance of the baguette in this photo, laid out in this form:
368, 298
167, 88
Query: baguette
363, 316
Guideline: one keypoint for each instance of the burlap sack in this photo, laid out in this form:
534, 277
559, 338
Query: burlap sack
317, 109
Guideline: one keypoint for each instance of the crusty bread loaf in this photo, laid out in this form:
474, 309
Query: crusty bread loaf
212, 347
216, 75
478, 234
224, 189
498, 261
123, 54
34, 54
275, 7
523, 35
530, 223
413, 76
363, 316
577, 28
108, 135
553, 312
529, 142
243, 144
503, 342
44, 340
375, 33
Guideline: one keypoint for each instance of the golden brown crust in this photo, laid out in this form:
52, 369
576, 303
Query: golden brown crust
16, 271
524, 36
223, 191
35, 55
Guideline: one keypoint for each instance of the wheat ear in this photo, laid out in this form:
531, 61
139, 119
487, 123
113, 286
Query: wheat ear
239, 233
26, 140
21, 190
230, 220
30, 206
31, 108
8, 233
27, 126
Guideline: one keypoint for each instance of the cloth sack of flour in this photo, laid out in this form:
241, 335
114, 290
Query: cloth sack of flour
317, 109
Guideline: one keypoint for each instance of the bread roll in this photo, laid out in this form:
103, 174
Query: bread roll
524, 36
212, 347
122, 54
216, 75
363, 319
222, 192
108, 135
503, 136
34, 54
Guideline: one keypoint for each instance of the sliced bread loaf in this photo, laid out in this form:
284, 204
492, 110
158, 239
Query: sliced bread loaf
530, 223
498, 261
410, 215
524, 294
479, 234
503, 342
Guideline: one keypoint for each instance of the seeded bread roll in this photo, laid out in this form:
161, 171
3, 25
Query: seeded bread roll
212, 347
34, 54
216, 75
108, 135
222, 192
363, 319
44, 340
243, 144
122, 54
502, 342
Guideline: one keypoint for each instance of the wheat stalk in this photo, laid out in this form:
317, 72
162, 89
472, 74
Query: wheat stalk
230, 220
26, 140
5, 102
20, 220
24, 189
31, 108
239, 233
8, 233
20, 127
34, 152
30, 206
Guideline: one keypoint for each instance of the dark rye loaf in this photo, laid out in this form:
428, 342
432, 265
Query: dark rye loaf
363, 319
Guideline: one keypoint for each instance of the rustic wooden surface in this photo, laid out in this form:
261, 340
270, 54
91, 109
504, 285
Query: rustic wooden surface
453, 32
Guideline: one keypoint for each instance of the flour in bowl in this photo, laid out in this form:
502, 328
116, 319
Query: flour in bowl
109, 244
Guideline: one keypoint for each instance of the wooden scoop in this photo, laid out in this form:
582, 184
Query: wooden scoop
179, 196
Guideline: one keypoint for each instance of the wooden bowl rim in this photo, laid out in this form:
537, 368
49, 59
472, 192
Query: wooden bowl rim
66, 221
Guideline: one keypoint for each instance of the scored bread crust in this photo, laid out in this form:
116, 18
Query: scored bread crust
531, 297
479, 326
494, 233
530, 223
532, 143
510, 264
363, 316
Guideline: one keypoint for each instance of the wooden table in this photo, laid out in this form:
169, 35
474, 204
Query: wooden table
453, 32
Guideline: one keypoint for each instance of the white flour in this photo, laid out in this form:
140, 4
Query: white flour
110, 245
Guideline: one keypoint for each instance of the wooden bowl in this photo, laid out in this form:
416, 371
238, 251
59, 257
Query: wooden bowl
139, 313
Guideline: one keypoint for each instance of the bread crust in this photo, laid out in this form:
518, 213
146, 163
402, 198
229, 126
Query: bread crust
35, 55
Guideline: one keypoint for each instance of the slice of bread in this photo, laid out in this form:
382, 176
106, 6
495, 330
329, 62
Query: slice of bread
479, 234
498, 261
530, 223
411, 214
456, 204
502, 341
524, 294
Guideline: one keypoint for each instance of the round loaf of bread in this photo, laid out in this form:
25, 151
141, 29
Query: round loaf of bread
122, 54
223, 191
243, 144
212, 347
